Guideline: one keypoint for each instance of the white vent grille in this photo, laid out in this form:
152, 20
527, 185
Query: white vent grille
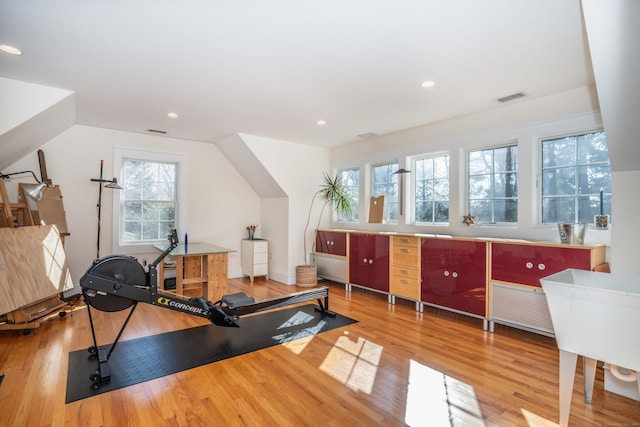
525, 307
512, 97
367, 135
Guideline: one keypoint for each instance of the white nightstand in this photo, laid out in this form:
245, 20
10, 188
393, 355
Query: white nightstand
255, 258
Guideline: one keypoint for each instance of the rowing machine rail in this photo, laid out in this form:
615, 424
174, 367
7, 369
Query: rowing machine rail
118, 282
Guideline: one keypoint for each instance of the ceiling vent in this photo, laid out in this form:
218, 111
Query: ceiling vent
367, 135
512, 97
157, 131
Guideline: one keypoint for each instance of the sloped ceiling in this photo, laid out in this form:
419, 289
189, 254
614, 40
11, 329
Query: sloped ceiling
275, 68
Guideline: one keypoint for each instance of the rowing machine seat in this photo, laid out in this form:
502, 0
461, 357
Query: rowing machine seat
238, 299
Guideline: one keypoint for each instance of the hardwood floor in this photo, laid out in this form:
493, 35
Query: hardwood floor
394, 367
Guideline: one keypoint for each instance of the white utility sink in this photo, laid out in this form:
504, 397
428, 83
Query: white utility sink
595, 315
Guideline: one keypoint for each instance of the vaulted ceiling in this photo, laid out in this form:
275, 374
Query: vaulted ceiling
275, 68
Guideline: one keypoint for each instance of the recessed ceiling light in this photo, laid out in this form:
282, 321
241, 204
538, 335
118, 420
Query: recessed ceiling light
321, 123
10, 49
173, 115
428, 83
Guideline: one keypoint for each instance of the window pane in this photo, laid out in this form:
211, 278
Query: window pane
593, 178
559, 152
558, 209
432, 189
350, 179
385, 183
593, 148
482, 210
558, 182
493, 184
480, 162
480, 187
576, 167
149, 200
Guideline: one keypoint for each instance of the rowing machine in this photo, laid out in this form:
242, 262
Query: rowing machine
117, 282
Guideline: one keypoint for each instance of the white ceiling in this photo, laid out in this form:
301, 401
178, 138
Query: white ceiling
273, 68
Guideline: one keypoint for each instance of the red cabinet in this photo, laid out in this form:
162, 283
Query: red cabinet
331, 242
454, 274
369, 261
526, 264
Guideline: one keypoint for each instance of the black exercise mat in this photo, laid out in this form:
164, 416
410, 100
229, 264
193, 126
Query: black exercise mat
143, 359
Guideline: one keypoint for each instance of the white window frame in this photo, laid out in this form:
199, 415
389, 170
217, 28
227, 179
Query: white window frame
122, 153
356, 209
575, 166
468, 176
414, 193
385, 210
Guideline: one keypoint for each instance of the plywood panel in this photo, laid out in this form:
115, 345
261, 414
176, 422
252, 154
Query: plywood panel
33, 266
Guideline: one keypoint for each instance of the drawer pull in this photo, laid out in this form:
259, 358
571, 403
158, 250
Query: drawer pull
404, 240
404, 271
404, 282
404, 250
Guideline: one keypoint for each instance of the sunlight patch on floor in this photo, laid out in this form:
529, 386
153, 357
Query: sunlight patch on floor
534, 420
436, 399
354, 363
297, 340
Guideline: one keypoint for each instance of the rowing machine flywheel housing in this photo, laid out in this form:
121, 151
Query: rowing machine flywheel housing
123, 270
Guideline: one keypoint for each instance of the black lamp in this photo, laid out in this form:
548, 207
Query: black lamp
110, 183
401, 172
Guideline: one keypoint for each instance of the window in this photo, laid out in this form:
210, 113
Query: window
350, 179
385, 183
493, 184
150, 203
575, 169
432, 189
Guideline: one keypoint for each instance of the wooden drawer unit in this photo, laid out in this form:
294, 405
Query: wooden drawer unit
405, 267
255, 258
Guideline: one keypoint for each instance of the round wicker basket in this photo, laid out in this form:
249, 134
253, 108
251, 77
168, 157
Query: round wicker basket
307, 275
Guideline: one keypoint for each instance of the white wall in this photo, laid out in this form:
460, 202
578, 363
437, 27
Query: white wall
613, 41
220, 202
298, 170
525, 122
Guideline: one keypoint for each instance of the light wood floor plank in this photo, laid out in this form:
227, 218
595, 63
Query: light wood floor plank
360, 375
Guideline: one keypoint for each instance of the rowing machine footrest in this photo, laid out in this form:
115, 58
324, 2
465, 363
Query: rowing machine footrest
238, 299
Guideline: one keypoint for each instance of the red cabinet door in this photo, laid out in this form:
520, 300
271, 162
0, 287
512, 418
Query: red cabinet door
379, 271
454, 274
331, 242
469, 277
323, 242
513, 263
358, 259
552, 259
435, 271
369, 261
527, 264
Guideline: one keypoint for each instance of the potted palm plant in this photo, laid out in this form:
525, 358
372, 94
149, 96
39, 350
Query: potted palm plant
332, 191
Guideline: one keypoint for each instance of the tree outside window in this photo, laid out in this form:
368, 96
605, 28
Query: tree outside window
148, 201
575, 169
432, 190
350, 179
385, 183
493, 184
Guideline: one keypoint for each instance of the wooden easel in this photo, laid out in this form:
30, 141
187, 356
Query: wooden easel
26, 299
8, 219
